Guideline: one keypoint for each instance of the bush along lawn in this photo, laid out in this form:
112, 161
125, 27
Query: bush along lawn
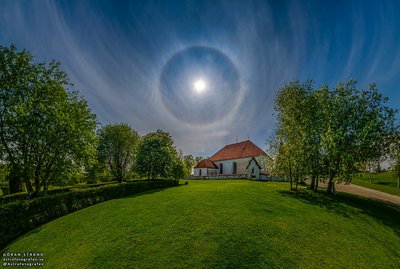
25, 196
21, 216
385, 182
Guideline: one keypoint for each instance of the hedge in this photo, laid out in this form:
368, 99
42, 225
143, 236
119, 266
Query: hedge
21, 216
14, 197
91, 185
25, 196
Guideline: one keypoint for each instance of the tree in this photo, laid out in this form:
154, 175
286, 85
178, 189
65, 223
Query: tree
46, 130
394, 153
327, 133
294, 124
373, 167
156, 155
278, 161
396, 170
189, 163
117, 149
179, 170
356, 125
198, 159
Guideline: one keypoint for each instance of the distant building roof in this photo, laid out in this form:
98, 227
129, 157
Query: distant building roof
238, 150
206, 164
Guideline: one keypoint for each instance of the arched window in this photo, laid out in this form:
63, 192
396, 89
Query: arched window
221, 168
234, 168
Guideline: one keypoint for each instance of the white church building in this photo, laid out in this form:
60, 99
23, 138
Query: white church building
238, 160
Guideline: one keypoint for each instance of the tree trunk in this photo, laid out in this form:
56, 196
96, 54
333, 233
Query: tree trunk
44, 183
14, 182
290, 178
316, 184
331, 185
37, 187
297, 182
312, 186
151, 171
29, 187
370, 179
398, 182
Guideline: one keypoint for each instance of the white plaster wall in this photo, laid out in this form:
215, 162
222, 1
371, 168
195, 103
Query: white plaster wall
228, 166
212, 171
197, 171
241, 165
205, 171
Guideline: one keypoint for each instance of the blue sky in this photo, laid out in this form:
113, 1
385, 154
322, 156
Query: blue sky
137, 61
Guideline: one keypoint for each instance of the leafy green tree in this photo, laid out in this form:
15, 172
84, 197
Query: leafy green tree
356, 125
117, 149
179, 170
294, 114
198, 159
394, 153
396, 170
373, 167
327, 133
313, 127
278, 163
46, 130
189, 163
156, 155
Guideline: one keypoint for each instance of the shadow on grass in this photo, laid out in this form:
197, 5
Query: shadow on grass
348, 205
384, 183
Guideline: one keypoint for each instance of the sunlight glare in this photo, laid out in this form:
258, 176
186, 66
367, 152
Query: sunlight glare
199, 86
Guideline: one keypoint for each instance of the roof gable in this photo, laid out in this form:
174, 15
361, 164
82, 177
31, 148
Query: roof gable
206, 163
253, 160
238, 150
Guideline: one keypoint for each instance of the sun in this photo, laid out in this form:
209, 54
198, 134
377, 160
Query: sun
199, 86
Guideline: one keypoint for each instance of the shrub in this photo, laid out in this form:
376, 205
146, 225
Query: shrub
19, 217
25, 196
14, 197
91, 185
60, 190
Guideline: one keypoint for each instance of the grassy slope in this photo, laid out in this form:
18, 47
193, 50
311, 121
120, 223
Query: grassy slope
382, 182
224, 224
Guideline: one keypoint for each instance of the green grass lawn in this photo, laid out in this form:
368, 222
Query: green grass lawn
222, 224
382, 182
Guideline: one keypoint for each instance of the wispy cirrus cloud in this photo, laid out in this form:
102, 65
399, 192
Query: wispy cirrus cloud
114, 54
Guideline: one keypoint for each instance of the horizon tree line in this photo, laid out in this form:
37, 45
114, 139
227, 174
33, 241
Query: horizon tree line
49, 135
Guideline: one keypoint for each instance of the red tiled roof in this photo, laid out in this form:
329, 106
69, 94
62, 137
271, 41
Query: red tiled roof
206, 164
238, 150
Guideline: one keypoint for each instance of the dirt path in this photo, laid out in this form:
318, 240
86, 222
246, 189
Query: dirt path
366, 192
